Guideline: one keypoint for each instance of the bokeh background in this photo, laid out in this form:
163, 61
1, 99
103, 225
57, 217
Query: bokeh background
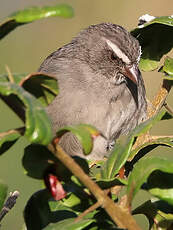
25, 48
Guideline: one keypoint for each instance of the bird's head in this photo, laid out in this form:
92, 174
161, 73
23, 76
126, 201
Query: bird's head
110, 50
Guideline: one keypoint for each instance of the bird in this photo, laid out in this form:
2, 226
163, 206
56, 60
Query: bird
99, 84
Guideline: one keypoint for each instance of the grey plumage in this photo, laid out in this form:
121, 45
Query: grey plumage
96, 86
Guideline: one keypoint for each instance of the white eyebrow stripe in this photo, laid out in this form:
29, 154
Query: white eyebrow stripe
118, 52
140, 53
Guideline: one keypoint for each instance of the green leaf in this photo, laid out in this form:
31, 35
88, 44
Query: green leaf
42, 86
146, 63
36, 160
157, 212
91, 129
122, 149
160, 185
167, 116
59, 206
71, 200
117, 158
38, 125
100, 219
142, 171
108, 183
32, 14
167, 68
35, 13
148, 124
155, 38
7, 139
3, 193
83, 134
76, 199
16, 77
163, 194
38, 213
148, 146
70, 224
145, 127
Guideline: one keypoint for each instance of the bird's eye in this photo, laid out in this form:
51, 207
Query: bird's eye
114, 56
129, 66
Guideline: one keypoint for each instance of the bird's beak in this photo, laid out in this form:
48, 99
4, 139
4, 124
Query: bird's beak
132, 73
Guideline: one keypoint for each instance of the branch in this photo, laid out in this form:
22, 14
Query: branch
11, 201
119, 215
90, 209
160, 98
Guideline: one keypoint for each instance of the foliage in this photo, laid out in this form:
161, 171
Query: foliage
65, 197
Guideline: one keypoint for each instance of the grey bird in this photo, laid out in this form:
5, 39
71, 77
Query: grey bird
100, 84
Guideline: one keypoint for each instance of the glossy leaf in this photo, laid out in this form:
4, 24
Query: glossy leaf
75, 200
142, 171
83, 134
155, 38
7, 139
34, 13
117, 158
167, 68
74, 203
92, 130
122, 149
38, 214
38, 125
42, 86
108, 183
36, 160
163, 194
148, 124
16, 77
163, 221
145, 127
71, 200
3, 193
167, 116
151, 144
157, 212
160, 185
70, 224
59, 206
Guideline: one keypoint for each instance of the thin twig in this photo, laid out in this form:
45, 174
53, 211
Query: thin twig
20, 130
10, 76
18, 109
160, 98
168, 108
119, 215
157, 104
90, 209
152, 138
11, 201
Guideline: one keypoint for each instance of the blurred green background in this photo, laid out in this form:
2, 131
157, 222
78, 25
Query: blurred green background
25, 48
